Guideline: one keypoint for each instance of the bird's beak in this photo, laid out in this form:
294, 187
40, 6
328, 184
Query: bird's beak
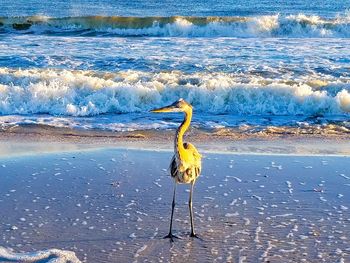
169, 108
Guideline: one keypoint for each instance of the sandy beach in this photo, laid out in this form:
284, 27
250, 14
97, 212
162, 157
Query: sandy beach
113, 205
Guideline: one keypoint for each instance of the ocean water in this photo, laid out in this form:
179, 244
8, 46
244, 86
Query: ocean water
105, 64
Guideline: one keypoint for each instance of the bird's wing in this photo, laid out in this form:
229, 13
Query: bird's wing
197, 157
191, 148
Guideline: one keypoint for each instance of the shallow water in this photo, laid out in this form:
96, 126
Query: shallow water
114, 206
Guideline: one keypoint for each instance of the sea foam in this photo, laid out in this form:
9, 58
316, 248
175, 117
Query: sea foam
87, 93
50, 255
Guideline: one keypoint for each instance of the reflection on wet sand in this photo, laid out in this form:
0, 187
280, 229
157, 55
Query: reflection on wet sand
113, 206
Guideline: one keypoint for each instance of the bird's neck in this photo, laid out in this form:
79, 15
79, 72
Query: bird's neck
179, 146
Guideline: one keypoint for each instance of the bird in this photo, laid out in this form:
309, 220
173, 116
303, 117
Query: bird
185, 166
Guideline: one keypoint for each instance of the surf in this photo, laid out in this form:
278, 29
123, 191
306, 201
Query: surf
90, 93
299, 26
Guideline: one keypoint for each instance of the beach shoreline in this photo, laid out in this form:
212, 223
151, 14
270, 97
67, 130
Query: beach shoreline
34, 140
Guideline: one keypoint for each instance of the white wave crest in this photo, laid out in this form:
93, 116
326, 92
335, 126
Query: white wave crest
86, 93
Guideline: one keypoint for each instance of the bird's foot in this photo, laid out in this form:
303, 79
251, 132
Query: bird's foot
195, 236
171, 236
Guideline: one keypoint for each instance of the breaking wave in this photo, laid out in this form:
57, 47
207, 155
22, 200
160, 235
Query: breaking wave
87, 93
261, 26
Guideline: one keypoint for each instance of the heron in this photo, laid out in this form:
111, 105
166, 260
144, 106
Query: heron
185, 166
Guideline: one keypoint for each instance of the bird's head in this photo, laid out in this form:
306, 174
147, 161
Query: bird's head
178, 106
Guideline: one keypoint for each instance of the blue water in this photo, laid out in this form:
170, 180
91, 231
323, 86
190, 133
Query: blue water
105, 64
327, 8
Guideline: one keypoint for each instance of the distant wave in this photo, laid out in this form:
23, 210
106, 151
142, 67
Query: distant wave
304, 26
86, 93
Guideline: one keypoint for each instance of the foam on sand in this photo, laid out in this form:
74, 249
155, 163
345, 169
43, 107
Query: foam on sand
51, 255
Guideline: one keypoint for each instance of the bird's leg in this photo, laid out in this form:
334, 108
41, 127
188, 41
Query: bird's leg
170, 235
191, 212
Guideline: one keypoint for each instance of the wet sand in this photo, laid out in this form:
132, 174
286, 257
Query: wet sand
33, 139
113, 205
